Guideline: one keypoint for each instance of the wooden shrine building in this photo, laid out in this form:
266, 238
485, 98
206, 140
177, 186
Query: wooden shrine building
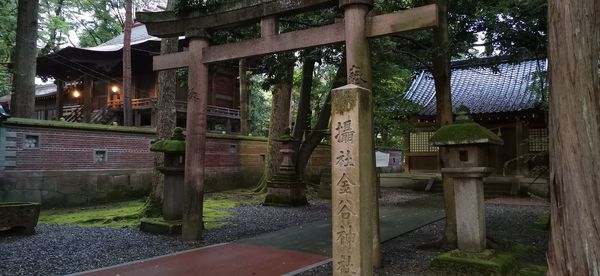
89, 85
501, 98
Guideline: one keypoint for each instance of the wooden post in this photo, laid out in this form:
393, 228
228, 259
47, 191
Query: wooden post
88, 86
358, 66
522, 148
196, 139
60, 98
244, 98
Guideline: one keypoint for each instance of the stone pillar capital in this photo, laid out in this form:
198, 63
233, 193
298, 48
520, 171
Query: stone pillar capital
344, 3
197, 33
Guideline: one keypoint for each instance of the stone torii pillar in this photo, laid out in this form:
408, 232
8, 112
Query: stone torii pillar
196, 128
355, 219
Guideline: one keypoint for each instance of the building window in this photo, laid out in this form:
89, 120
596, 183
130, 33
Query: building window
419, 142
538, 139
99, 156
31, 142
232, 148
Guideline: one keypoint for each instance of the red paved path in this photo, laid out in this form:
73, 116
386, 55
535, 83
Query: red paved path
516, 201
227, 259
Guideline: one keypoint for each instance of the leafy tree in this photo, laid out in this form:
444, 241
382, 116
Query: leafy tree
8, 27
106, 22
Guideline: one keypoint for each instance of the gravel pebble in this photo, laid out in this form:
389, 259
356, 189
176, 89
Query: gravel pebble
63, 249
507, 226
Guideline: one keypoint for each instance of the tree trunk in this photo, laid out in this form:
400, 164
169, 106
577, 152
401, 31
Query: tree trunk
279, 122
313, 139
23, 96
166, 113
244, 98
127, 82
574, 52
441, 74
303, 115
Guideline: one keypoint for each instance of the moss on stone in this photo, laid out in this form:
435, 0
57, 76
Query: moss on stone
532, 270
462, 133
168, 146
82, 126
18, 204
463, 263
544, 221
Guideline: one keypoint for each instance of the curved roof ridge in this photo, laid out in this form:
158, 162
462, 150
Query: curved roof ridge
481, 88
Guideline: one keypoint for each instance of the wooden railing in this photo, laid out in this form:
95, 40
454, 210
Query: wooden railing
144, 103
73, 113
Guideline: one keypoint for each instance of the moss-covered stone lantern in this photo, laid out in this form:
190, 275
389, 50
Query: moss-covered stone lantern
173, 170
286, 188
467, 148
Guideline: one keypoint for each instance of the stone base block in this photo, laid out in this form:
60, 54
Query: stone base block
488, 262
161, 226
285, 197
286, 191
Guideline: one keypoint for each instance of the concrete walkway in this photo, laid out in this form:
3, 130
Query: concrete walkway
279, 252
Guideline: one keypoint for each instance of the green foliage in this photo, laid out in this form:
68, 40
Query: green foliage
260, 106
106, 22
539, 85
8, 27
5, 80
390, 82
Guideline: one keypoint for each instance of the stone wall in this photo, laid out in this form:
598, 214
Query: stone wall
61, 164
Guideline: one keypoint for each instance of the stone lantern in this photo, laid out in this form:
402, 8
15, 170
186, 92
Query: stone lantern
173, 170
3, 115
286, 188
467, 148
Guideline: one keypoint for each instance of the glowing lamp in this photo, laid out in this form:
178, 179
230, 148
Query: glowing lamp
76, 94
114, 89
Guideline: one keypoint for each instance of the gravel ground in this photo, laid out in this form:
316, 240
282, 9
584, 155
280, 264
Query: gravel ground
60, 249
508, 227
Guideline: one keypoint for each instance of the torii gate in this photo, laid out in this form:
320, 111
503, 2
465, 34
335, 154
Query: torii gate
352, 111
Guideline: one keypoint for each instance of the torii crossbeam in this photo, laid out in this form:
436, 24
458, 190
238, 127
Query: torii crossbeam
355, 220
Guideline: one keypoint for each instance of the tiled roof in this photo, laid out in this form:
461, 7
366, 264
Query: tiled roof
482, 89
40, 91
139, 34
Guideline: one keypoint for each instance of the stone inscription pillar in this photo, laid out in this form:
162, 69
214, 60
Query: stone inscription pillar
352, 176
196, 139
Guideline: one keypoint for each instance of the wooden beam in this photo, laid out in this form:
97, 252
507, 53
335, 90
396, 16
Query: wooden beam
408, 20
171, 61
290, 41
381, 25
169, 24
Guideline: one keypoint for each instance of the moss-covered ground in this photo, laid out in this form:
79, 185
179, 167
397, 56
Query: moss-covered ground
129, 213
